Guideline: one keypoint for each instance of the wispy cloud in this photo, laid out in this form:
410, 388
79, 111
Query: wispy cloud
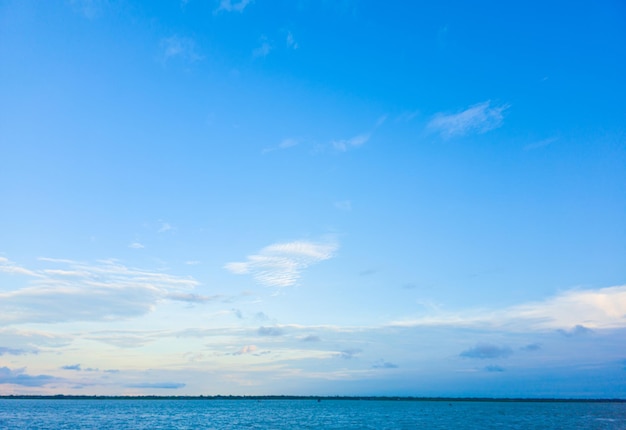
179, 47
343, 145
532, 347
479, 118
263, 49
7, 266
540, 143
247, 349
232, 6
165, 226
284, 144
602, 308
348, 354
382, 364
89, 8
270, 331
281, 264
407, 116
71, 367
19, 377
344, 205
29, 342
136, 245
291, 42
577, 330
78, 291
190, 297
494, 368
12, 351
486, 350
161, 385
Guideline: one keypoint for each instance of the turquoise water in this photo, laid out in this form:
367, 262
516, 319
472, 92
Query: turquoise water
305, 414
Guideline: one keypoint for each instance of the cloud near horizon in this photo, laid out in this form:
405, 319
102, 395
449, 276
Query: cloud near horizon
161, 385
19, 377
281, 264
486, 350
602, 308
77, 291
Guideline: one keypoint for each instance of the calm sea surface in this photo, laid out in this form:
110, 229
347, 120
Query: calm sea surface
305, 414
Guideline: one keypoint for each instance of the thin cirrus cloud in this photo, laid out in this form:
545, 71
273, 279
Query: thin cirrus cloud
270, 331
232, 6
284, 144
281, 264
179, 47
479, 118
343, 145
291, 42
7, 266
571, 312
263, 49
13, 351
590, 309
77, 291
29, 342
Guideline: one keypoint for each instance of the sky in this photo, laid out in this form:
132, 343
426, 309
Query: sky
313, 197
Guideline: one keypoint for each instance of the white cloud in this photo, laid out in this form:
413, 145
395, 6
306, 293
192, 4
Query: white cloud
19, 377
179, 47
191, 298
291, 42
136, 245
7, 266
344, 144
478, 118
262, 50
407, 116
29, 341
601, 308
248, 349
232, 6
344, 205
541, 143
164, 227
104, 291
89, 8
288, 143
281, 264
568, 312
284, 144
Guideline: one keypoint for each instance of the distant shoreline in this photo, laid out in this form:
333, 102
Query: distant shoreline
315, 398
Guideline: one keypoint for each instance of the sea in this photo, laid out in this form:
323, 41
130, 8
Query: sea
119, 414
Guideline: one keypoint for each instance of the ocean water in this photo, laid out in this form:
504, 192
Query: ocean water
121, 414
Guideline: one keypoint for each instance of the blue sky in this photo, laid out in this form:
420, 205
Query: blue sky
313, 197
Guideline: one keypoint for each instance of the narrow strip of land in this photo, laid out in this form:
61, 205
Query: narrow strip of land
313, 398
